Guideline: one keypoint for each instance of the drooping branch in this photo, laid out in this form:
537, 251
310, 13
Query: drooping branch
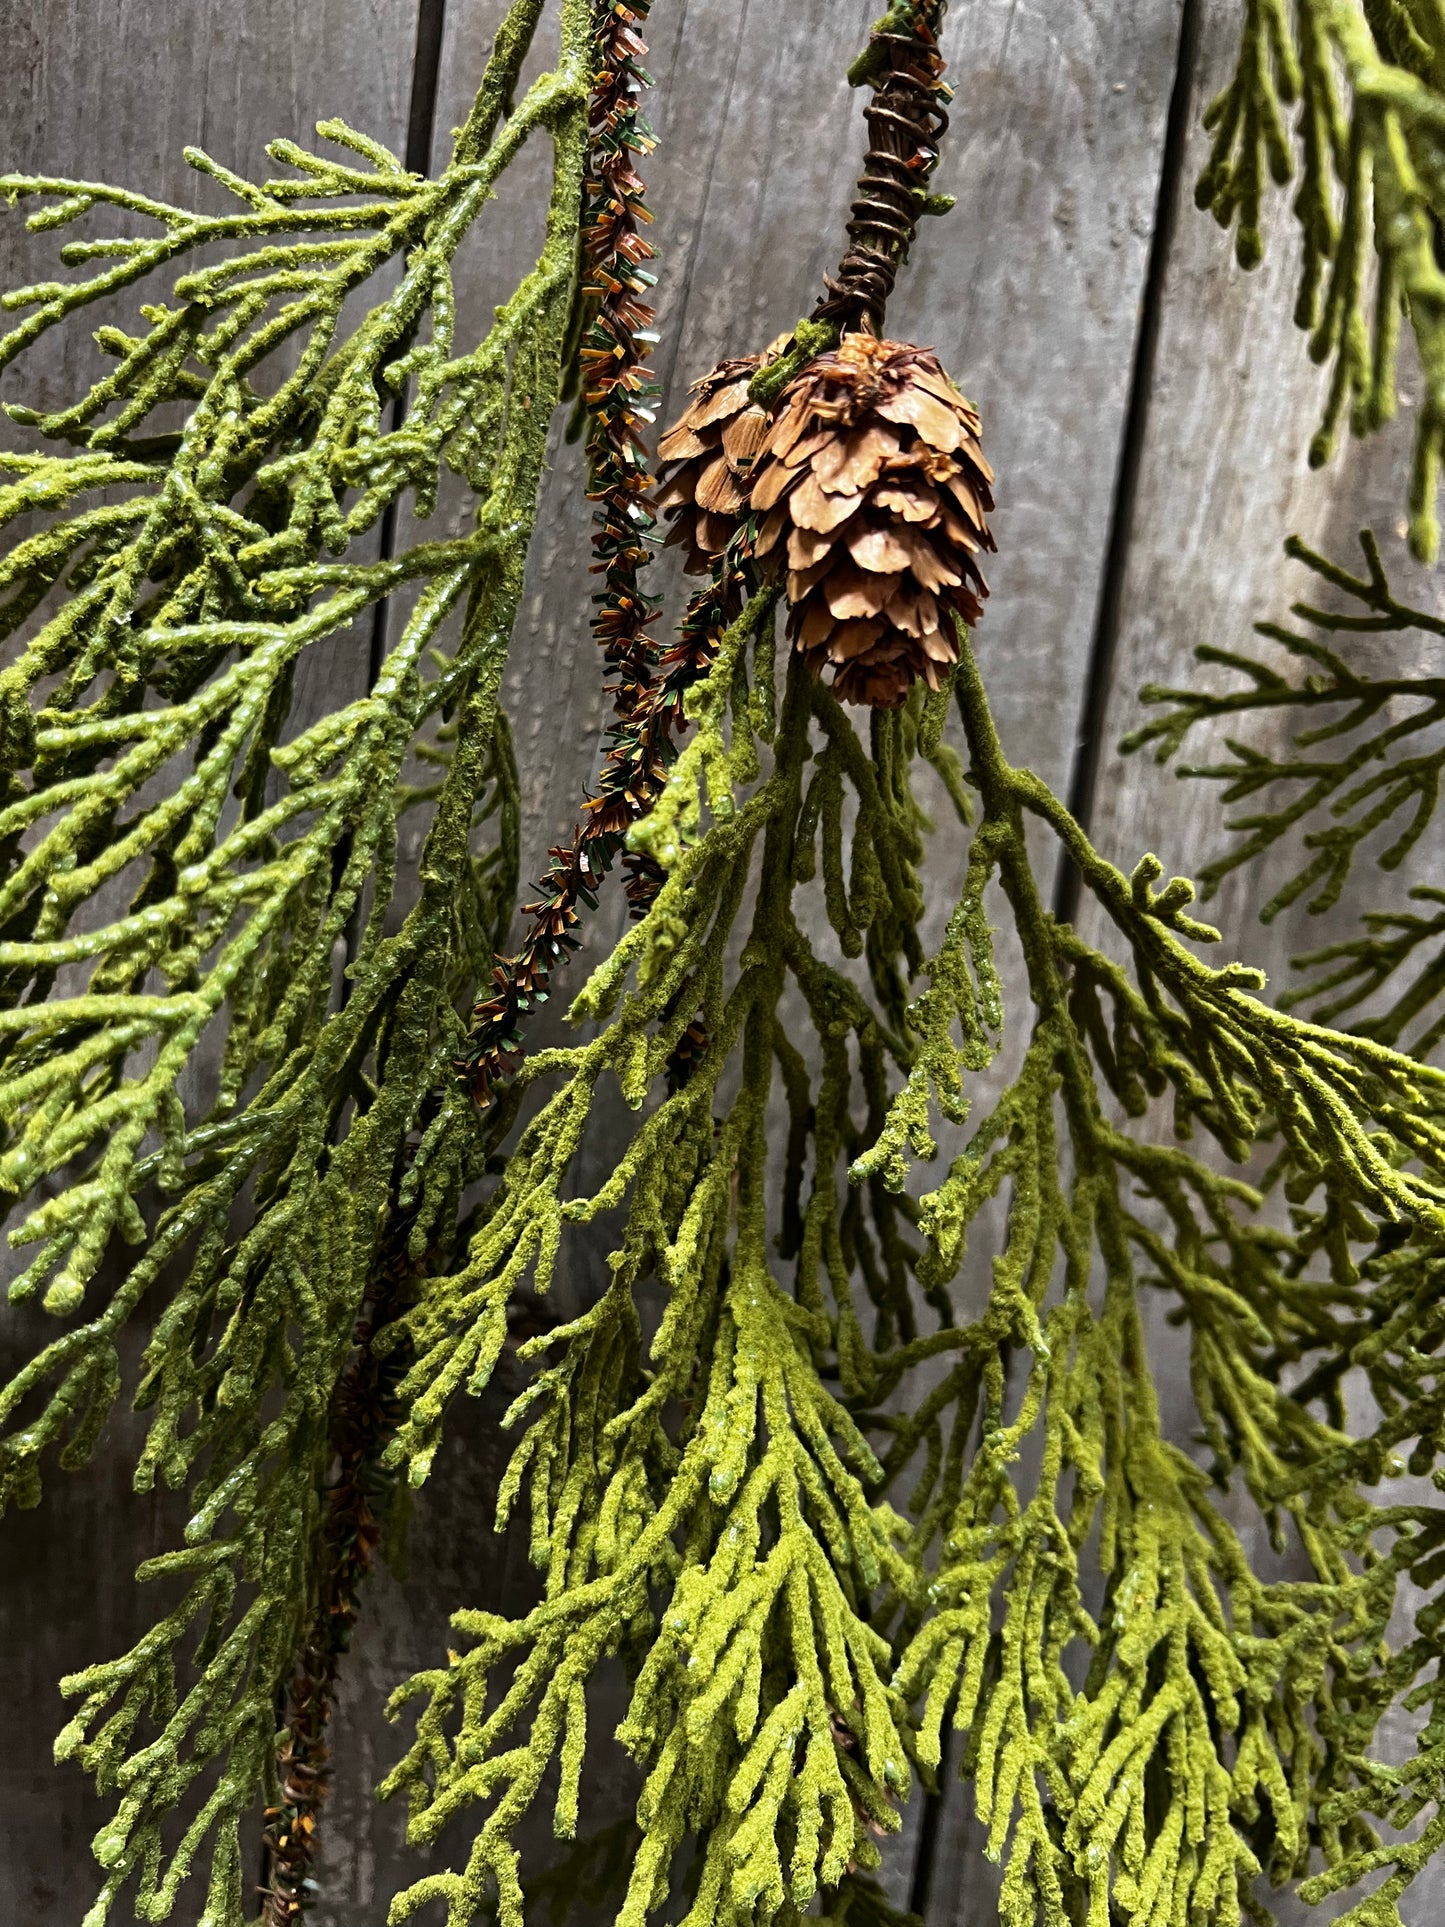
179, 618
1370, 202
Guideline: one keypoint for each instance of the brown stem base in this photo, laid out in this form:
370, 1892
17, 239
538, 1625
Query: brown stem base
364, 1415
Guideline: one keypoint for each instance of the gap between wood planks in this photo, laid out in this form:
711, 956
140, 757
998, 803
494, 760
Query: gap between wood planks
431, 19
420, 131
1089, 744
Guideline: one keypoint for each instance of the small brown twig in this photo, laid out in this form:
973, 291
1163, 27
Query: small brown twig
364, 1416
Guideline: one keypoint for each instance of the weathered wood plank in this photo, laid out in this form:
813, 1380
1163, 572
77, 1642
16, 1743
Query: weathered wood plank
1223, 480
115, 93
1030, 291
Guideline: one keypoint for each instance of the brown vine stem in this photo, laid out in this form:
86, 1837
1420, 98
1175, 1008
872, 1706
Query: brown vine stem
617, 392
363, 1420
907, 118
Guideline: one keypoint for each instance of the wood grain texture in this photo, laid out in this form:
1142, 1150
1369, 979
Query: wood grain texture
1030, 291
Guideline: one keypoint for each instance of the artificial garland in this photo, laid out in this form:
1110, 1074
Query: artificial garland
818, 1513
615, 343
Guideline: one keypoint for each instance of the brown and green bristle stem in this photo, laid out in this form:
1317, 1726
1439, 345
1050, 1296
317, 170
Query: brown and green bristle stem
642, 745
618, 394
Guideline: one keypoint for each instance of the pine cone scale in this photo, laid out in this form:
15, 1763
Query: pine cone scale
681, 444
720, 488
859, 592
845, 467
809, 548
812, 507
722, 404
918, 503
743, 435
939, 426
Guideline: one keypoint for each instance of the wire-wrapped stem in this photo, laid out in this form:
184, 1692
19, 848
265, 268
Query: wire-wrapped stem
907, 118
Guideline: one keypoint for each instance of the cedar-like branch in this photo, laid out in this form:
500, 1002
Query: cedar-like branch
1363, 769
364, 1415
1370, 201
168, 649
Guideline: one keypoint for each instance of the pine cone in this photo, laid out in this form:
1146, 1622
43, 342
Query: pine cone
710, 453
872, 475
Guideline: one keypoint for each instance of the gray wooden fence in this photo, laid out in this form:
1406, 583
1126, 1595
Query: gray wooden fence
1146, 405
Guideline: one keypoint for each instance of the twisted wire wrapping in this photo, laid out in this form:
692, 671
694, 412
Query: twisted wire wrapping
907, 118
